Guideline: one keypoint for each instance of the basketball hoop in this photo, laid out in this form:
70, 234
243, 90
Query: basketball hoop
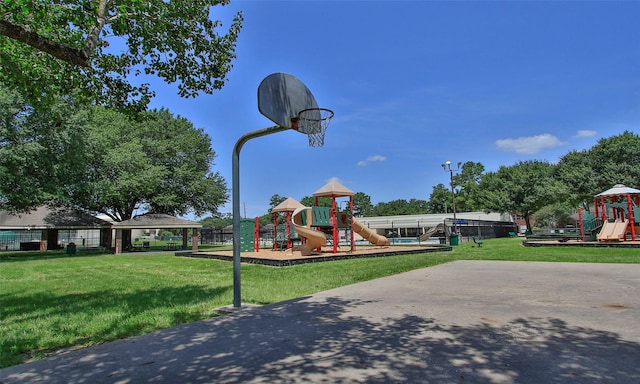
313, 122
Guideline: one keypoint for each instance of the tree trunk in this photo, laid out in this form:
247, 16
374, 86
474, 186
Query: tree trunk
527, 219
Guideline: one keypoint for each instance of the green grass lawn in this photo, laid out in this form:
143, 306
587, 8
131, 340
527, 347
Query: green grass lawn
52, 301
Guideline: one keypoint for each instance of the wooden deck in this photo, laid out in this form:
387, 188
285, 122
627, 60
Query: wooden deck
288, 257
577, 243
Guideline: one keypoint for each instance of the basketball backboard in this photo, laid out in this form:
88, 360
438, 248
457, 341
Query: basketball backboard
282, 96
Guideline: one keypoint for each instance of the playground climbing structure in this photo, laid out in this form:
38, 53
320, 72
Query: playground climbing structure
618, 209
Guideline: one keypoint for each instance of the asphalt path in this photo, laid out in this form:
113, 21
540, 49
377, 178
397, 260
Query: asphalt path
462, 322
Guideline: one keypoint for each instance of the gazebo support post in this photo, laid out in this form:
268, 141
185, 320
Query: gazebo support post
195, 239
185, 236
44, 239
118, 241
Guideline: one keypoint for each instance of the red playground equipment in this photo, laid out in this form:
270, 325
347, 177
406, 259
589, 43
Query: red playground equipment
282, 231
618, 209
316, 226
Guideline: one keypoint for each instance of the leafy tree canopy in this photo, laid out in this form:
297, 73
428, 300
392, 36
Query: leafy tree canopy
362, 204
275, 201
467, 182
556, 215
310, 201
40, 153
217, 220
614, 160
92, 48
401, 207
439, 199
102, 161
160, 164
575, 170
522, 188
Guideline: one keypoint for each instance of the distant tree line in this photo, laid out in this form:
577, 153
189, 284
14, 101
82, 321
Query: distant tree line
548, 192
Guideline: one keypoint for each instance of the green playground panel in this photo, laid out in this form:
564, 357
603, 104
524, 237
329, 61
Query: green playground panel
321, 217
589, 221
247, 234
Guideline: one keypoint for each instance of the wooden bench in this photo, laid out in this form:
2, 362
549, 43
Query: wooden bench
477, 241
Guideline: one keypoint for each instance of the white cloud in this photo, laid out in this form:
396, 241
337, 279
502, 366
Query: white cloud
529, 145
371, 159
584, 133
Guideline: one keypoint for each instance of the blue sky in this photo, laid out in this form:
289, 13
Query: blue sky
417, 83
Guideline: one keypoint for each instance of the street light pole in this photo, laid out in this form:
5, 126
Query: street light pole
447, 168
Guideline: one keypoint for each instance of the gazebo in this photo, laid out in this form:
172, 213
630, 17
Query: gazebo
619, 203
158, 221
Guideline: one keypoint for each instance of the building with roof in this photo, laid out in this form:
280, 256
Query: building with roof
158, 221
49, 229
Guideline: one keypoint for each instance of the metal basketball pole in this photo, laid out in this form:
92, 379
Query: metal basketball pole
235, 165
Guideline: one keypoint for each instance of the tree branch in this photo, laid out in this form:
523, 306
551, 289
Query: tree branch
94, 32
73, 56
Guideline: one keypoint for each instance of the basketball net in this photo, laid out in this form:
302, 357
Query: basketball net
313, 122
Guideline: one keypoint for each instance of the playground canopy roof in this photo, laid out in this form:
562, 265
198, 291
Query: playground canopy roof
47, 218
333, 188
155, 220
289, 205
619, 190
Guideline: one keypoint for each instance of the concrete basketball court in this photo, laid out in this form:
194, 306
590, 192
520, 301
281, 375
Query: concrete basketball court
462, 322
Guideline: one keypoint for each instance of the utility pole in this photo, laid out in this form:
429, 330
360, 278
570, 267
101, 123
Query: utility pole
447, 168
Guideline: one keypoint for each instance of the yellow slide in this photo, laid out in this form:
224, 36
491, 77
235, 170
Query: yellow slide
613, 231
314, 238
606, 229
429, 233
368, 234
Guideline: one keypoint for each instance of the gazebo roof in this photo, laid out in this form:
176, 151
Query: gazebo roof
289, 205
48, 218
156, 220
333, 188
619, 190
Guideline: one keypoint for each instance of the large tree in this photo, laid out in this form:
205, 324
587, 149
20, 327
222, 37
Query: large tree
439, 199
576, 171
94, 47
160, 164
611, 161
466, 182
615, 160
40, 153
523, 188
362, 204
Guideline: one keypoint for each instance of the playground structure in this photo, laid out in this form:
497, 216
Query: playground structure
316, 226
616, 216
283, 235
